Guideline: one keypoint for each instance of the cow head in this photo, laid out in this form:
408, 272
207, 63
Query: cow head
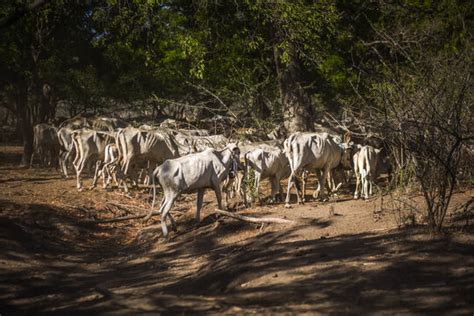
235, 151
348, 149
234, 157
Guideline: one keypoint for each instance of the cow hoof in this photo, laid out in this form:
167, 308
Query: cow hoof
92, 187
80, 189
287, 205
303, 200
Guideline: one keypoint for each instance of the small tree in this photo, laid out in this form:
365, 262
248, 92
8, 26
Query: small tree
429, 118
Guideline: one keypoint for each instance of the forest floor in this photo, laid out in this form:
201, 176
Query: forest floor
340, 257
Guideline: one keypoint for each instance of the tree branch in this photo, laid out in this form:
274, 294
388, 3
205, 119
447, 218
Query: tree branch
20, 12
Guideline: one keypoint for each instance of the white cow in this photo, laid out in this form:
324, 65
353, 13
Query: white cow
365, 169
109, 168
67, 150
200, 143
318, 151
237, 184
45, 145
90, 148
194, 132
194, 172
140, 148
268, 162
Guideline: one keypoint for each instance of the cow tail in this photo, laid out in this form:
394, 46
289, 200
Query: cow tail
246, 164
77, 146
123, 151
153, 183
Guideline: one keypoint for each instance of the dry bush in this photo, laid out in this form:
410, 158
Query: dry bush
427, 121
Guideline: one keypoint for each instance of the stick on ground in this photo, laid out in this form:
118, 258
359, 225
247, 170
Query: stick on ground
249, 219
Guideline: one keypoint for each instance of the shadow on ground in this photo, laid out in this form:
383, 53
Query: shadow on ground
52, 262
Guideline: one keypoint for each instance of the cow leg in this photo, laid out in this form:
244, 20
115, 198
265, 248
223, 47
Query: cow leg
110, 170
280, 191
200, 198
160, 211
77, 160
166, 202
62, 164
32, 158
330, 184
143, 176
317, 191
322, 182
288, 190
96, 174
304, 178
64, 161
233, 188
67, 161
115, 170
217, 191
293, 181
79, 169
125, 172
299, 194
258, 176
166, 209
365, 184
275, 189
106, 175
242, 188
225, 188
371, 183
358, 185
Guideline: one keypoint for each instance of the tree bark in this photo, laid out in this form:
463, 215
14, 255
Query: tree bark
24, 120
298, 114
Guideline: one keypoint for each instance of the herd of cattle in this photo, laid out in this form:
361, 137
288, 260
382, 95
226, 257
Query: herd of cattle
185, 160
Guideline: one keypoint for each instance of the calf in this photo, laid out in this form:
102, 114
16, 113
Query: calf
365, 169
268, 162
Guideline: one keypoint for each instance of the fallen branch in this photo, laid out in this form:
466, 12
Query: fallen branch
251, 219
126, 208
145, 212
122, 218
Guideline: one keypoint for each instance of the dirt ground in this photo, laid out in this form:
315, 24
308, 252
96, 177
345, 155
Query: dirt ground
341, 257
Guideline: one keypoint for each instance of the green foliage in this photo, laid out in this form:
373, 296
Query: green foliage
129, 50
250, 187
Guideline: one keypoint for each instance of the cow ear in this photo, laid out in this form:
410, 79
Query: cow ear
378, 150
358, 146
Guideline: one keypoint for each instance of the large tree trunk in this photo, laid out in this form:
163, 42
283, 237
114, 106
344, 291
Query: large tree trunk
24, 120
47, 108
298, 112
